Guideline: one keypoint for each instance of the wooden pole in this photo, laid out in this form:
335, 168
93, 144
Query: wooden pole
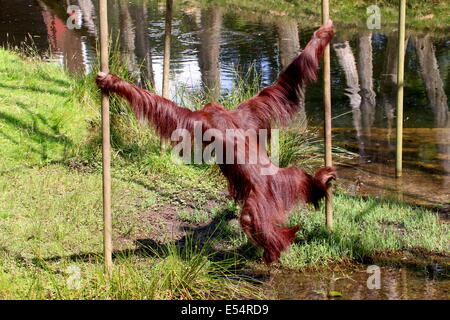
166, 62
167, 43
327, 115
400, 86
106, 147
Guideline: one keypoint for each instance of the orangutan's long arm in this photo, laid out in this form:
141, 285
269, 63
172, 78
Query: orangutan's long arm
278, 103
163, 114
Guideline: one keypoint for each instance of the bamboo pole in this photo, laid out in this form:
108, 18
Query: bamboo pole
167, 43
106, 147
327, 115
166, 62
400, 86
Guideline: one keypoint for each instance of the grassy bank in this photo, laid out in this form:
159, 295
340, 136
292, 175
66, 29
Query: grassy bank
422, 15
39, 123
176, 235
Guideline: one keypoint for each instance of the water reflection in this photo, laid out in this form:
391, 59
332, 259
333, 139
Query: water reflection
68, 46
288, 41
209, 50
422, 283
127, 36
88, 16
209, 44
347, 62
145, 74
436, 95
367, 93
289, 47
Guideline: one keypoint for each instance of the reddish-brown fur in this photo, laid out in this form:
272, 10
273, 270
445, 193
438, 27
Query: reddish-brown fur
266, 199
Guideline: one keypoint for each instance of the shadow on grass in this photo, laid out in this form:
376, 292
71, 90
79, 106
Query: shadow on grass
197, 238
39, 135
46, 77
31, 132
203, 240
32, 89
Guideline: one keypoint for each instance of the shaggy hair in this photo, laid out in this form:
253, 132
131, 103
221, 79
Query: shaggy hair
266, 199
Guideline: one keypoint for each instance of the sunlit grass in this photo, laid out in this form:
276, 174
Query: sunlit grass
172, 272
39, 124
364, 227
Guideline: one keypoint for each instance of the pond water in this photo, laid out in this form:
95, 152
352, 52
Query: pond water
427, 282
211, 46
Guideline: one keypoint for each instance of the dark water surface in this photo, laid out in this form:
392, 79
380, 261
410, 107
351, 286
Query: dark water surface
428, 282
210, 46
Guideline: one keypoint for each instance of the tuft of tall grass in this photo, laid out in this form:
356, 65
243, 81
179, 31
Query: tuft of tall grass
169, 272
28, 50
130, 140
304, 147
182, 272
192, 272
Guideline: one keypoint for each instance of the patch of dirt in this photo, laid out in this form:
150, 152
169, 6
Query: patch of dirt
165, 224
82, 166
395, 226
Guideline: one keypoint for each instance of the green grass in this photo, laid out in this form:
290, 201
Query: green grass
39, 124
175, 235
363, 228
